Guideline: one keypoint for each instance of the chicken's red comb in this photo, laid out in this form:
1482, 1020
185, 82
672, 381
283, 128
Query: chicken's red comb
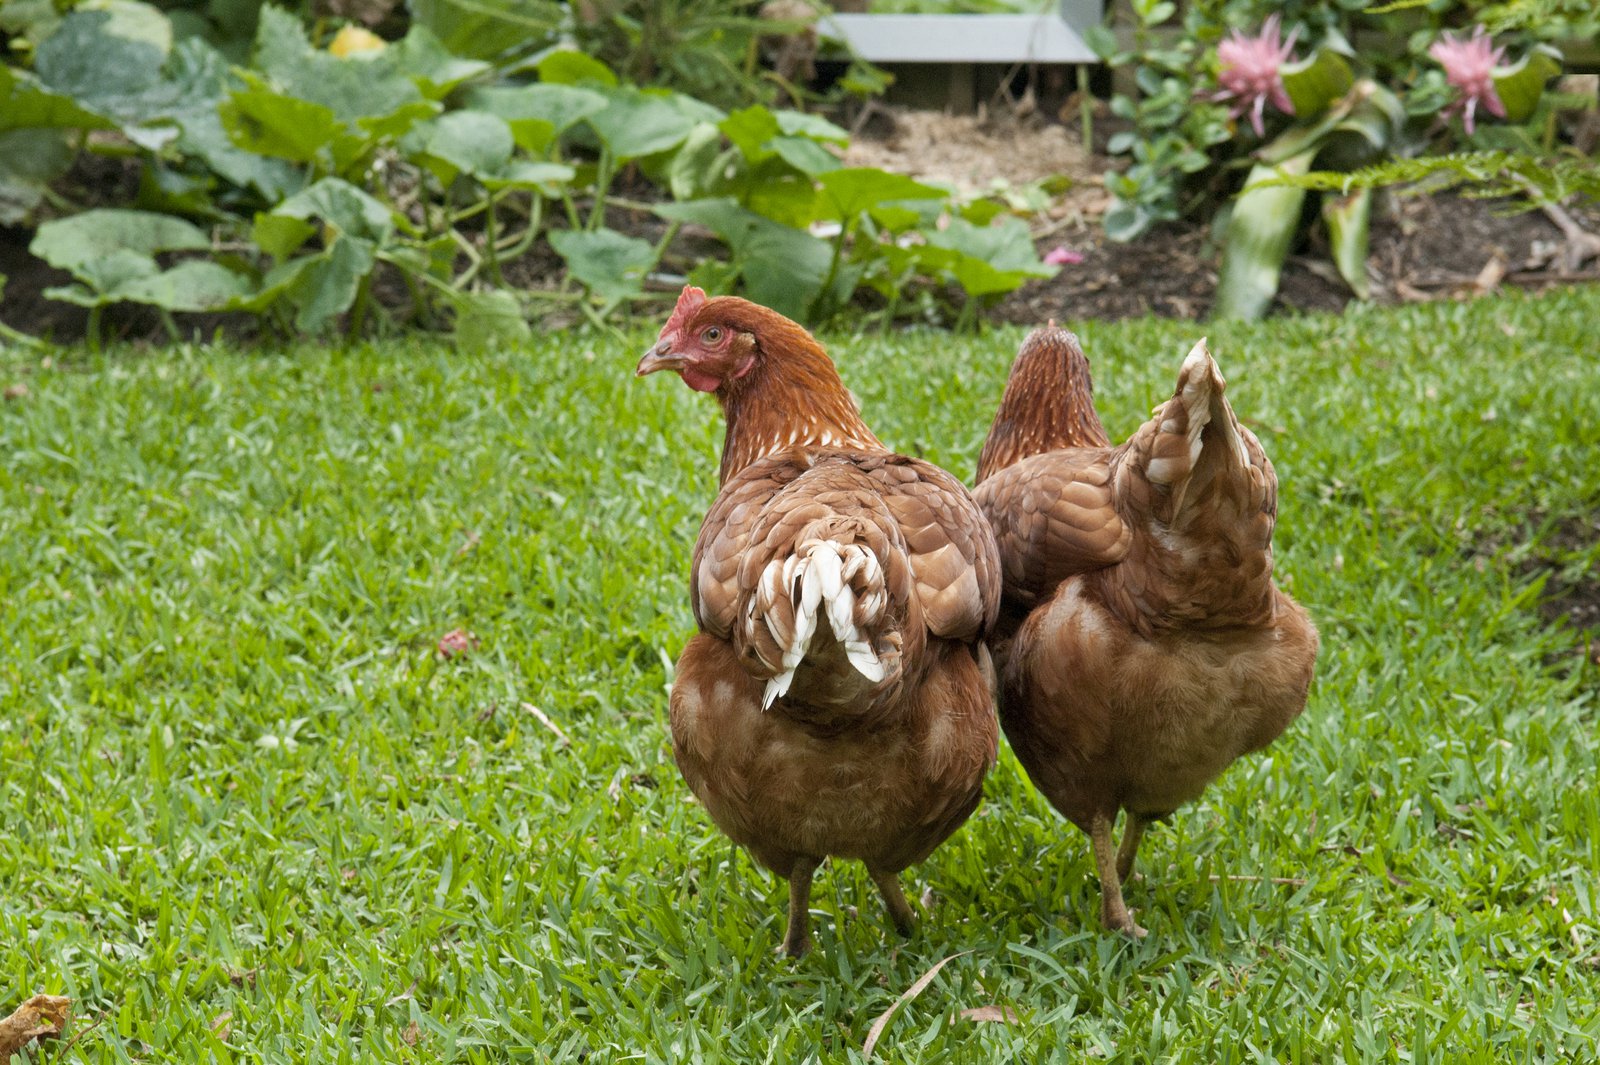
690, 300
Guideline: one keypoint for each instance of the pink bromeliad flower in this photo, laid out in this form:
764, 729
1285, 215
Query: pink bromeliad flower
1469, 65
1250, 72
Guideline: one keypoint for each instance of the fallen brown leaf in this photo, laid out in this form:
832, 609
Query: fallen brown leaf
412, 1035
222, 1027
1003, 1014
41, 1017
908, 995
16, 391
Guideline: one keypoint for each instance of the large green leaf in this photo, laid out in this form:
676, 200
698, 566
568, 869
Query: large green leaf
324, 285
193, 285
849, 193
25, 104
566, 66
343, 207
559, 106
79, 240
488, 29
606, 262
422, 58
1521, 84
197, 79
489, 320
1260, 230
1316, 82
29, 160
109, 60
264, 121
989, 259
361, 86
782, 267
635, 123
1349, 219
470, 142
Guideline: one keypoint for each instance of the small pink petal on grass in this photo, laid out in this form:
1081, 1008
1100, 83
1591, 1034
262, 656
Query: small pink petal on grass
1469, 66
1061, 255
456, 642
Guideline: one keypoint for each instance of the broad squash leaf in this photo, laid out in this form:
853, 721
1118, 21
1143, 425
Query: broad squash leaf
608, 263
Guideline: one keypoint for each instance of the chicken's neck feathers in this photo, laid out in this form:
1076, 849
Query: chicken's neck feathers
793, 399
1048, 404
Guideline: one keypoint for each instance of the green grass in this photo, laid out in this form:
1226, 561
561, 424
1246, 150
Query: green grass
236, 779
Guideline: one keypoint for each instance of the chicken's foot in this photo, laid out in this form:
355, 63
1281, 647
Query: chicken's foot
1113, 910
900, 912
798, 939
1132, 833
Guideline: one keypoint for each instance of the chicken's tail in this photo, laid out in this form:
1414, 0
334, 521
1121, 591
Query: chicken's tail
1197, 435
823, 581
821, 608
1212, 495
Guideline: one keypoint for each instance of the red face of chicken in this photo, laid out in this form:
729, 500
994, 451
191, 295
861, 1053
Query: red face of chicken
705, 351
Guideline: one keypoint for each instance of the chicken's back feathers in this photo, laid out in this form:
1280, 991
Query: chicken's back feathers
837, 567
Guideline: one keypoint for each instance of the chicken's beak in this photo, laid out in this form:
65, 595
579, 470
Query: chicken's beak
660, 356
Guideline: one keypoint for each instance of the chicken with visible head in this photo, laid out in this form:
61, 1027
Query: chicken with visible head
1143, 645
839, 699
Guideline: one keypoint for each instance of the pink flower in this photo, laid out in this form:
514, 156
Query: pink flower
1061, 255
1249, 72
456, 642
1469, 66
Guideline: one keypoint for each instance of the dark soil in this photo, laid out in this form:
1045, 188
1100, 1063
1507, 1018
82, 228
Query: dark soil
1423, 247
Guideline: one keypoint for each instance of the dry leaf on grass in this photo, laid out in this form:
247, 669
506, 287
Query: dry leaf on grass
41, 1017
1003, 1014
16, 391
544, 719
910, 993
222, 1026
412, 1034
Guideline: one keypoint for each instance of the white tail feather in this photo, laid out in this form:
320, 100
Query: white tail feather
820, 574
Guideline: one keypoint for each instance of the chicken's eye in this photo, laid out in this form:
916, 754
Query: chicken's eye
712, 335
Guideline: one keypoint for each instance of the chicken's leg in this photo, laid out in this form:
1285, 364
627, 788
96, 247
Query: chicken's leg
1132, 833
798, 939
1113, 911
905, 921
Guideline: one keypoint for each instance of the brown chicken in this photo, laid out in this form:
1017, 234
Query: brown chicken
1143, 645
839, 699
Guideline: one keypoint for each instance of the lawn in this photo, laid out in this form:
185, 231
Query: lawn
250, 813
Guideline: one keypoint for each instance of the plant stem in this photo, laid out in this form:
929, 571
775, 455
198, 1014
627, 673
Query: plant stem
491, 252
1085, 109
602, 182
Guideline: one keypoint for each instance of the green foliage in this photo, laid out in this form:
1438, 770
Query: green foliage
1476, 173
239, 779
1185, 158
327, 168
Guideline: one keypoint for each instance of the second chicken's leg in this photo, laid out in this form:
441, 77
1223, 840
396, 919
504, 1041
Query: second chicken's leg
1113, 911
905, 921
1132, 833
798, 939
